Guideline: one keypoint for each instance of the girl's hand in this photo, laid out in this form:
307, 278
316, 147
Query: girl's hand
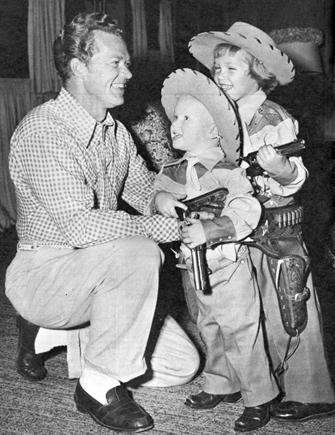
269, 160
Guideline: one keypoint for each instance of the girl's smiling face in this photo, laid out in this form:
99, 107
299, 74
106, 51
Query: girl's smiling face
231, 74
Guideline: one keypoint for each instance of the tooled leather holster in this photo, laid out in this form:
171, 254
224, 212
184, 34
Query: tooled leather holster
279, 237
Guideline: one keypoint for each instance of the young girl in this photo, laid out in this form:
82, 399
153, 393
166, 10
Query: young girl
204, 127
246, 64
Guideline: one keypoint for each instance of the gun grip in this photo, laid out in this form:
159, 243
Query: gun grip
180, 213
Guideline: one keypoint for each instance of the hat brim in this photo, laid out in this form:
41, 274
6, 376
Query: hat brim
220, 106
275, 61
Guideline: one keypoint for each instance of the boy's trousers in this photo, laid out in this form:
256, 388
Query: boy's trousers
229, 324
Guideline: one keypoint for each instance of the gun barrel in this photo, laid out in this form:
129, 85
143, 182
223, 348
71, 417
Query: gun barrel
200, 271
283, 150
196, 270
290, 148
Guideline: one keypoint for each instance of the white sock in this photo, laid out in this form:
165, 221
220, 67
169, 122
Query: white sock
97, 384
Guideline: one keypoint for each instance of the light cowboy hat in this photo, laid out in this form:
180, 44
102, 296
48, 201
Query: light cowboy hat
251, 39
220, 106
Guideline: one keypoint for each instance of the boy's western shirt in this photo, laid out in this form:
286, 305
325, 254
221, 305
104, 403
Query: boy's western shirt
242, 211
267, 123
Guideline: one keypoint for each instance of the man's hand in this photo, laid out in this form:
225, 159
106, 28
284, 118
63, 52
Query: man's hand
166, 203
192, 233
269, 160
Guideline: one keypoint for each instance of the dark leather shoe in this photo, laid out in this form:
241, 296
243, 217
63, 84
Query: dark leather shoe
30, 366
253, 418
121, 412
28, 363
296, 411
204, 400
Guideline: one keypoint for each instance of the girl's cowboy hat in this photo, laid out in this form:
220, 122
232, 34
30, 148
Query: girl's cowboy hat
251, 39
220, 106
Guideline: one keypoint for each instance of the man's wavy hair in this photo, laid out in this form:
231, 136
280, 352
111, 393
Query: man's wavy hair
76, 40
266, 80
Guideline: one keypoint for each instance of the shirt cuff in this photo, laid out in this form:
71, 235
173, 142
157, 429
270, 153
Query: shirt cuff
287, 175
158, 228
220, 230
151, 207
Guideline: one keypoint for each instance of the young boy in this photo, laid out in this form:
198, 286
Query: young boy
203, 121
246, 64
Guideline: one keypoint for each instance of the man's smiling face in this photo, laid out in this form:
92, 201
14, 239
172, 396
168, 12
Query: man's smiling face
106, 73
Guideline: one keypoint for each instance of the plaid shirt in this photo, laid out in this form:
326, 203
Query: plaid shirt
69, 170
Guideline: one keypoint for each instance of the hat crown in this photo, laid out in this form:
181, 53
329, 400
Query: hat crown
219, 105
249, 38
245, 29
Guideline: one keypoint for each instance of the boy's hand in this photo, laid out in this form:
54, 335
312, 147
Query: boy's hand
166, 203
269, 160
202, 215
192, 233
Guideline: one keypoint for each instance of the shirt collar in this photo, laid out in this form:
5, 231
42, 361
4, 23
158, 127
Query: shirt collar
208, 158
249, 107
82, 123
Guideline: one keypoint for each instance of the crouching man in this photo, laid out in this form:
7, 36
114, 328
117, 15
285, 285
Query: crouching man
79, 258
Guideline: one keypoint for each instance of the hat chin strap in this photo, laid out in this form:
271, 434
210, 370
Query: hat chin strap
215, 135
220, 140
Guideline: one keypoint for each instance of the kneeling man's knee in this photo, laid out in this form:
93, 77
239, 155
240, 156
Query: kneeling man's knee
143, 252
132, 252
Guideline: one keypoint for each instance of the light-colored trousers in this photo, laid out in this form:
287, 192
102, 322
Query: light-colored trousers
307, 378
113, 286
229, 323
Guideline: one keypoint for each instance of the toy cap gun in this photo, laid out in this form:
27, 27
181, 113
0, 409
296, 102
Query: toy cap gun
287, 149
211, 202
198, 254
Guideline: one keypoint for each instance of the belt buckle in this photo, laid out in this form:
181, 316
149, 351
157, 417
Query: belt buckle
27, 247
